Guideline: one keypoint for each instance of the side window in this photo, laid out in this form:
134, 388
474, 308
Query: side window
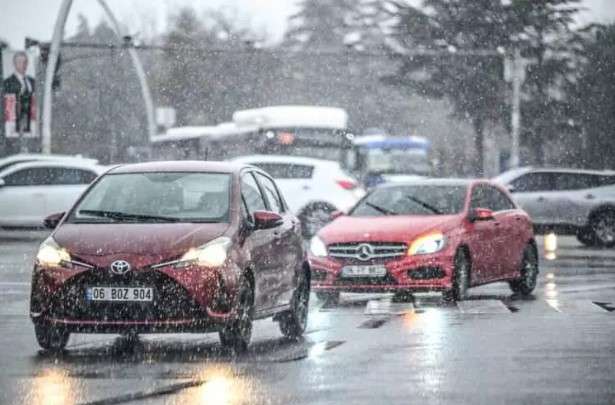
70, 176
499, 200
34, 176
251, 194
540, 181
286, 170
575, 181
271, 193
479, 198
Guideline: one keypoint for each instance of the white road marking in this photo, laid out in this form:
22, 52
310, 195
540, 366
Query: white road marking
575, 306
387, 307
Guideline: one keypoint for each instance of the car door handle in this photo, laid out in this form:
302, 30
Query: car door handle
541, 199
306, 187
590, 196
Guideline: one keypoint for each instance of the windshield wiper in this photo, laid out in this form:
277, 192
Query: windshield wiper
381, 209
424, 205
126, 216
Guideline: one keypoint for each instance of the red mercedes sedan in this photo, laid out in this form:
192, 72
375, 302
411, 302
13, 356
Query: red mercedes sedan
431, 235
172, 247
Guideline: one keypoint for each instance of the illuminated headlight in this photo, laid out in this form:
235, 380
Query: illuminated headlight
50, 254
318, 247
427, 244
211, 254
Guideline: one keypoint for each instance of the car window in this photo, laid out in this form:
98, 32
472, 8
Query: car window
575, 181
251, 194
541, 181
185, 197
271, 193
286, 170
485, 196
412, 200
34, 176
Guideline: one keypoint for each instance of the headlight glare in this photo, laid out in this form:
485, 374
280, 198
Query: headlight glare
427, 244
211, 254
318, 247
50, 254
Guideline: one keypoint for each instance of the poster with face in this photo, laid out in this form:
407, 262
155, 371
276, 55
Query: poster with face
18, 90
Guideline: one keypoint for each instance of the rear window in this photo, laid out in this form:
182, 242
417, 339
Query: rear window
286, 170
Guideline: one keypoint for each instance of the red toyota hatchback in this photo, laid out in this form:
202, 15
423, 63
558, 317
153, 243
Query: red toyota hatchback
433, 235
172, 247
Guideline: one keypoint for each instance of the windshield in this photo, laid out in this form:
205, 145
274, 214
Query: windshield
396, 161
156, 197
412, 200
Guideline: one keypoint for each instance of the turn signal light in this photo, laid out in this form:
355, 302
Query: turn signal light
347, 184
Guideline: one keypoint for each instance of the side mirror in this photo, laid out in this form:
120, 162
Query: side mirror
266, 219
336, 214
480, 214
52, 221
510, 188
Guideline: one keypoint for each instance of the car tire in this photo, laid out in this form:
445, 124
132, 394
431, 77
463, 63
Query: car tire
602, 228
51, 338
237, 333
586, 237
314, 217
461, 278
526, 283
328, 297
294, 322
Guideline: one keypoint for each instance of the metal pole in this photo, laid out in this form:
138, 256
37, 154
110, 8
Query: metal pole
516, 108
54, 53
145, 91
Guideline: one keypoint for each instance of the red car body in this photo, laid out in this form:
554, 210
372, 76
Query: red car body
494, 240
193, 298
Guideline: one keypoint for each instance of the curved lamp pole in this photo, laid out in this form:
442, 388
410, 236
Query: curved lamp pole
54, 52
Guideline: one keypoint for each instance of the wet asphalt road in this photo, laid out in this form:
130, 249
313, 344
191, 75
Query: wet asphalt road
558, 347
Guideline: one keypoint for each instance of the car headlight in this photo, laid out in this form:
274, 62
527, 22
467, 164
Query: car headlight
427, 244
50, 254
318, 247
211, 254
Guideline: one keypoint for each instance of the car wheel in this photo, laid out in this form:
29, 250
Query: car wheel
52, 338
461, 278
586, 237
328, 297
314, 217
294, 322
602, 227
527, 280
237, 334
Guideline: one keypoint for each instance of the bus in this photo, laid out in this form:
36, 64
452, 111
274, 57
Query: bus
311, 131
383, 158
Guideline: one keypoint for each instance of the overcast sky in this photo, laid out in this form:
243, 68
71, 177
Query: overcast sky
35, 18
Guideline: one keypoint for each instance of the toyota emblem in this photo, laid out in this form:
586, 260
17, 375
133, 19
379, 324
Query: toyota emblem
120, 267
365, 252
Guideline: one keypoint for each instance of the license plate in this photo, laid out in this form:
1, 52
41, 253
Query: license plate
364, 271
129, 294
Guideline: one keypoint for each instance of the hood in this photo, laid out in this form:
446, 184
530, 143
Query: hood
396, 228
139, 244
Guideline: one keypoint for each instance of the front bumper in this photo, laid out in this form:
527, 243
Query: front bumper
432, 272
189, 299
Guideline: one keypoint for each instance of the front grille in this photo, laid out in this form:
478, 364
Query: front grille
350, 281
171, 301
367, 251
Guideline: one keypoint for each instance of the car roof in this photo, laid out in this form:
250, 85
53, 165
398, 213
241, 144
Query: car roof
284, 159
76, 164
40, 156
179, 166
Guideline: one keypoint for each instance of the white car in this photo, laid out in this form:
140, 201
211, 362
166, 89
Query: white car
31, 191
34, 157
568, 201
313, 188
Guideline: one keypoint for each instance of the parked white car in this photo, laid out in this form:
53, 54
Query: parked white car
313, 188
567, 201
8, 161
31, 191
